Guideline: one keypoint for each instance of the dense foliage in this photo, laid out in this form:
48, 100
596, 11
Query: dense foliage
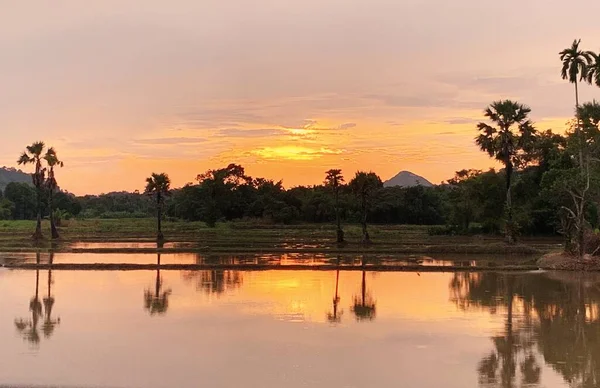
471, 202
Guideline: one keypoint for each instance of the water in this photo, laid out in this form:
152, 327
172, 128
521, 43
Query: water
275, 259
283, 328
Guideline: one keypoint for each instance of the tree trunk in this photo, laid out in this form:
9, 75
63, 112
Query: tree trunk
579, 129
365, 232
581, 227
159, 235
339, 231
38, 227
53, 229
510, 237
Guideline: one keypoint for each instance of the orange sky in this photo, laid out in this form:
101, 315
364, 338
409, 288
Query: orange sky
126, 88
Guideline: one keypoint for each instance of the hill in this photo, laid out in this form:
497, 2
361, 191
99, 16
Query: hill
9, 174
407, 179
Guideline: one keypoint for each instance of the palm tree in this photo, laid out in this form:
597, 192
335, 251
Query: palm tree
364, 185
574, 67
593, 68
33, 155
52, 161
505, 142
159, 186
335, 180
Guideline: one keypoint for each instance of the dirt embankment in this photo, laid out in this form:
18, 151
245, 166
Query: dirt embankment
567, 262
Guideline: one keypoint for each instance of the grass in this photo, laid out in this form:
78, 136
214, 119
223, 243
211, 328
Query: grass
252, 237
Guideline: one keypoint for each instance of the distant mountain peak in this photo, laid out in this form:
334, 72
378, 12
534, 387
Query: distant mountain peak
407, 179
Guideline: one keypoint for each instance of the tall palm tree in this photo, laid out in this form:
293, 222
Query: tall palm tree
574, 67
51, 184
513, 133
593, 68
159, 186
335, 180
33, 155
364, 186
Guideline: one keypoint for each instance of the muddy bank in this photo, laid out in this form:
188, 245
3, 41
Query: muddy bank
499, 248
566, 262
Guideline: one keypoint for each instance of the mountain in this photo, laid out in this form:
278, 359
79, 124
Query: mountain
9, 174
407, 179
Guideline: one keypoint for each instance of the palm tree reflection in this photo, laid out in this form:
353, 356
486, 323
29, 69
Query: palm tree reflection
364, 305
514, 346
28, 328
157, 301
336, 316
49, 323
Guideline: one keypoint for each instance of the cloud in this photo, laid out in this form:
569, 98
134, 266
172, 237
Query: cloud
347, 125
249, 132
447, 133
461, 120
170, 140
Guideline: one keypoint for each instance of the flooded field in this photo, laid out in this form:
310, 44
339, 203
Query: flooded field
272, 259
226, 328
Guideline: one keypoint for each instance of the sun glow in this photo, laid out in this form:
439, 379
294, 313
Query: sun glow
294, 152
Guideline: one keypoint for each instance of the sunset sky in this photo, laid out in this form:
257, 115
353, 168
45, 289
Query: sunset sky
288, 89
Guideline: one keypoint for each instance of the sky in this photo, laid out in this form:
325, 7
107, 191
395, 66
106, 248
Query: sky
288, 89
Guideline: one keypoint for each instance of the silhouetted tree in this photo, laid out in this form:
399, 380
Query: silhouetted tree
505, 142
574, 69
364, 186
51, 184
158, 185
593, 68
334, 179
33, 155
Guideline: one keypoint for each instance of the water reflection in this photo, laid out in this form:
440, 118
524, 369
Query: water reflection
497, 329
364, 304
49, 322
215, 281
28, 328
558, 322
335, 316
157, 301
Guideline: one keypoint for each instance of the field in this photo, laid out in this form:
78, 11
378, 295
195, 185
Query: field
248, 237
